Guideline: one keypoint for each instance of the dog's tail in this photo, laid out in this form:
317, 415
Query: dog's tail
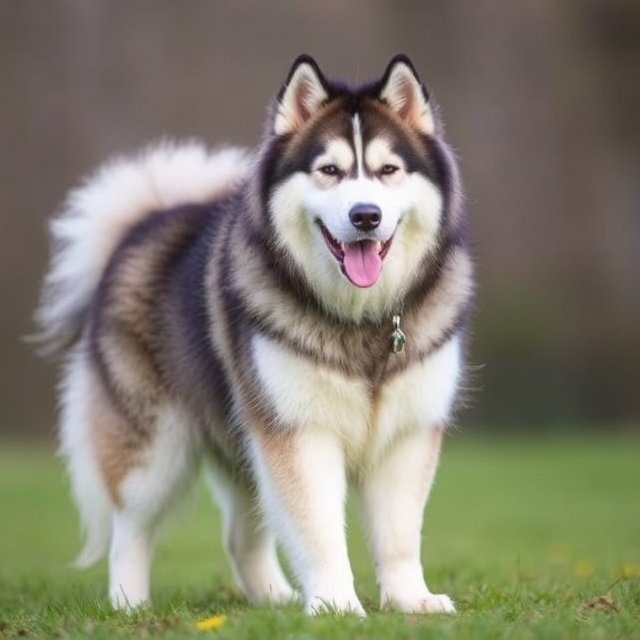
98, 214
95, 219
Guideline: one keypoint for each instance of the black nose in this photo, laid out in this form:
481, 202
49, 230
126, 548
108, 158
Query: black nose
365, 217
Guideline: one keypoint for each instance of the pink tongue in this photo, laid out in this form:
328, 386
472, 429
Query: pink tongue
362, 262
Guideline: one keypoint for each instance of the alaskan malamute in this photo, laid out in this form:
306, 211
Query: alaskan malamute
292, 318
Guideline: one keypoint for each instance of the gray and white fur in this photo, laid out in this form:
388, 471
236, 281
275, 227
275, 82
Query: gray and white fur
235, 308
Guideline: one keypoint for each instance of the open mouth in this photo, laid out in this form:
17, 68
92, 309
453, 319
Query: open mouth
360, 261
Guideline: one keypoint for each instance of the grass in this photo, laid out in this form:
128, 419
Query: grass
526, 536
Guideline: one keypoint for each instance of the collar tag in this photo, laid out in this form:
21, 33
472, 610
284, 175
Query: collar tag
398, 337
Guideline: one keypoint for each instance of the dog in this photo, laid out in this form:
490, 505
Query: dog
291, 319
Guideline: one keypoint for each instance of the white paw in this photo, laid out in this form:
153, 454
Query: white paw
127, 601
437, 603
345, 605
425, 603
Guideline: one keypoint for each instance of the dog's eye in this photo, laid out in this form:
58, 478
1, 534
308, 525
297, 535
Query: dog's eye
329, 170
388, 169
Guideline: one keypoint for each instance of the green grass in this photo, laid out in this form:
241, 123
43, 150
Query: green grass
523, 535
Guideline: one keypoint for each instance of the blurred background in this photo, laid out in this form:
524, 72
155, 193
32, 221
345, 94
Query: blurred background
541, 100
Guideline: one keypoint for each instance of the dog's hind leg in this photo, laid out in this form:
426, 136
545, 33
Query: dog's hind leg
157, 476
79, 423
123, 477
249, 542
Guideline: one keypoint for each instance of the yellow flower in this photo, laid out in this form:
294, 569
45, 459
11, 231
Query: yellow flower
628, 570
211, 624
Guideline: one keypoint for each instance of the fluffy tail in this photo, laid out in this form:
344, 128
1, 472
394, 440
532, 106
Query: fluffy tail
95, 218
98, 214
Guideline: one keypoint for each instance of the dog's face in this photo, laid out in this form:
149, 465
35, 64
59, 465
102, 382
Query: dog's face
357, 184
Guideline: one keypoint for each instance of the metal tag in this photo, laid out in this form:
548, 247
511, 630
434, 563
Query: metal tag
398, 337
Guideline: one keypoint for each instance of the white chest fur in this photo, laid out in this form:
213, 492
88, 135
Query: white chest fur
308, 396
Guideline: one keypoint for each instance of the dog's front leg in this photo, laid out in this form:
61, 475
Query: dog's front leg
394, 494
302, 485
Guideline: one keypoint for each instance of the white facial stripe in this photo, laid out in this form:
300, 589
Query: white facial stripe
357, 144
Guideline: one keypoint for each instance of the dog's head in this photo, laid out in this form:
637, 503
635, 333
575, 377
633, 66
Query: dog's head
357, 184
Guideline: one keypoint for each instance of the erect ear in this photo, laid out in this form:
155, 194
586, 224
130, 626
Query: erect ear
301, 95
405, 94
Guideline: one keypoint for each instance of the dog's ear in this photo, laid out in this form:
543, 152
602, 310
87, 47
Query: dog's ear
405, 94
301, 95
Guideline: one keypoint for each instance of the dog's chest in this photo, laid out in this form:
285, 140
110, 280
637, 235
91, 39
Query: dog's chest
305, 395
